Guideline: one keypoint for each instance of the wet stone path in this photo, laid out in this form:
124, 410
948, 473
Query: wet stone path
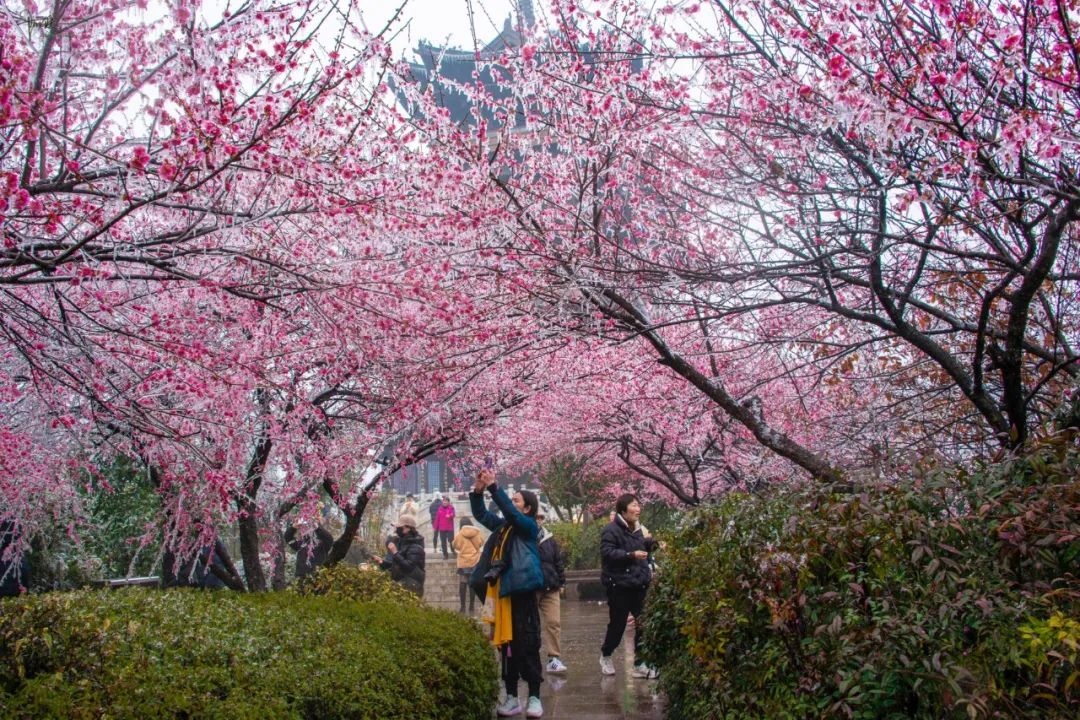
582, 693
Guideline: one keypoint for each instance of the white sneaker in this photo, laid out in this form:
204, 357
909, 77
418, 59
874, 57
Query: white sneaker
534, 709
606, 666
555, 665
508, 708
641, 670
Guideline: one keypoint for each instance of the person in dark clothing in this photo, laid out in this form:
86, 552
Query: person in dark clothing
195, 572
311, 551
13, 576
549, 598
513, 576
433, 510
626, 573
405, 558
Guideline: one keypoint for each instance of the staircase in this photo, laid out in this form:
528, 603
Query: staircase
441, 583
441, 578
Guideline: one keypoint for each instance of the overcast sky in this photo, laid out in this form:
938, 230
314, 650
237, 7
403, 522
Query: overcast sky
438, 21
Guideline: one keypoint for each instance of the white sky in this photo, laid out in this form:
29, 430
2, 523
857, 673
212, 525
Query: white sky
440, 21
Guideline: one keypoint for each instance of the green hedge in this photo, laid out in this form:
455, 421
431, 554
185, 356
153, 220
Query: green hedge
349, 582
137, 653
580, 543
953, 596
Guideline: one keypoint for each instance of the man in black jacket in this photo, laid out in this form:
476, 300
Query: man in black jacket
195, 572
433, 510
624, 558
550, 597
311, 551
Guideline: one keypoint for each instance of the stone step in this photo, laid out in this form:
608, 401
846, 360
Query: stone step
441, 585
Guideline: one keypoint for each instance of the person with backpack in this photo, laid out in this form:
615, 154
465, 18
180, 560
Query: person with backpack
311, 550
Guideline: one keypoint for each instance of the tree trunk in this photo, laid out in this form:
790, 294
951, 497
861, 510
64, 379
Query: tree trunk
249, 509
249, 548
277, 578
1012, 366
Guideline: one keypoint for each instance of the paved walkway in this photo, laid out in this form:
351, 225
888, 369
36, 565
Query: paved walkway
582, 693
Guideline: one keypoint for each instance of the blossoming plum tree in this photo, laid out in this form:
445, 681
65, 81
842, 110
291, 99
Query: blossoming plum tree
877, 193
726, 242
203, 268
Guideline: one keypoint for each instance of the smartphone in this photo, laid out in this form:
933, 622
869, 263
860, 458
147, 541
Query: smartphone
489, 464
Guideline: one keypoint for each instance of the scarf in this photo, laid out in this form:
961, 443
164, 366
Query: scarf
503, 631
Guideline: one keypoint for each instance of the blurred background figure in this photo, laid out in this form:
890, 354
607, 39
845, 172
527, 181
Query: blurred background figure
409, 507
443, 524
467, 544
549, 598
433, 511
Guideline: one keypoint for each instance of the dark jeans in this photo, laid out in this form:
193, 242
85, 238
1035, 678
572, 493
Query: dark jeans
622, 602
434, 535
521, 659
447, 536
463, 588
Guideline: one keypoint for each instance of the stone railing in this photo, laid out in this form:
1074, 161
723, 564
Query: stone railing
148, 581
584, 585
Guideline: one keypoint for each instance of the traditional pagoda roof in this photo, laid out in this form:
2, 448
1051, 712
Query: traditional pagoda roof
457, 65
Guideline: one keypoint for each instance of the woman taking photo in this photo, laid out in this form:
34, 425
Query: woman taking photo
405, 555
624, 559
513, 576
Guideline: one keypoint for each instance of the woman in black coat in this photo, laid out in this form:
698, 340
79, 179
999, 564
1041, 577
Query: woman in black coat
624, 558
405, 558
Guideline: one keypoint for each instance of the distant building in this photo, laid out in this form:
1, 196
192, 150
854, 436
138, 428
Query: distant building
457, 65
430, 475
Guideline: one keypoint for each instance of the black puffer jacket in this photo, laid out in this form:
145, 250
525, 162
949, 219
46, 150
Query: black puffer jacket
311, 551
407, 564
551, 561
619, 569
12, 576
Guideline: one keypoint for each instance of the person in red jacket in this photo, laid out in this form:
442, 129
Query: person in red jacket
444, 525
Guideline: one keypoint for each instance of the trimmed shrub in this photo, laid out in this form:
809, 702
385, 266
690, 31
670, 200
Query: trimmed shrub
662, 519
138, 653
951, 596
349, 582
580, 543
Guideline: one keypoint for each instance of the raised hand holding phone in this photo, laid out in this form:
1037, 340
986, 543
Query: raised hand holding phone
484, 478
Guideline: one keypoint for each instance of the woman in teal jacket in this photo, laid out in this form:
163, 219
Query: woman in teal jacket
518, 575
